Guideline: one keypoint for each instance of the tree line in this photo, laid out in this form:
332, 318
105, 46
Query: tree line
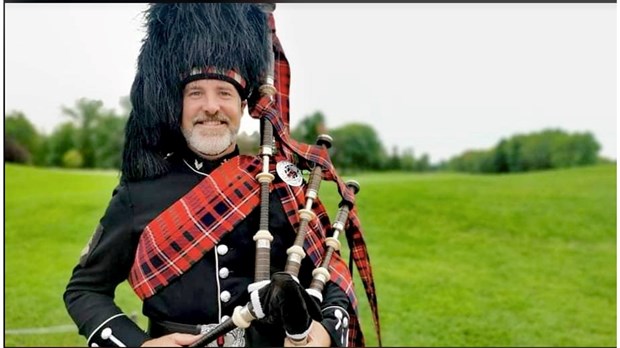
93, 136
546, 149
357, 146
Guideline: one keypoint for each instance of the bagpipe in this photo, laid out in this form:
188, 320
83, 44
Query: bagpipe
280, 294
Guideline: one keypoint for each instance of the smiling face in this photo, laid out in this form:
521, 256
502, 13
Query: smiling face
212, 111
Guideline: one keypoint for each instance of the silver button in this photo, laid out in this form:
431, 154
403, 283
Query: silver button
224, 273
222, 249
225, 296
224, 318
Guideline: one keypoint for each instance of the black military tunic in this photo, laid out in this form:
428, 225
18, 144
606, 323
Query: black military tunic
207, 293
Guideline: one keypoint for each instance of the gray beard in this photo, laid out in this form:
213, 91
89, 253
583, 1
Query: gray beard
210, 144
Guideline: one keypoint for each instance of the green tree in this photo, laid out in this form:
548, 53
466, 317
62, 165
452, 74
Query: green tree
357, 146
423, 164
15, 152
248, 144
472, 161
309, 128
63, 138
20, 132
72, 159
500, 157
99, 132
407, 160
537, 150
393, 161
575, 150
85, 114
546, 149
108, 139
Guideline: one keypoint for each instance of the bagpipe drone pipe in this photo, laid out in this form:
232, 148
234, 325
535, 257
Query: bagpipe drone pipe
280, 295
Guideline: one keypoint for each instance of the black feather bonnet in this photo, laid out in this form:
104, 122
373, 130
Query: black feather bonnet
182, 40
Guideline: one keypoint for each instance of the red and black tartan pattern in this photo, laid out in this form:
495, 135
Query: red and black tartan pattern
357, 248
293, 199
339, 272
179, 236
282, 82
231, 75
277, 112
282, 75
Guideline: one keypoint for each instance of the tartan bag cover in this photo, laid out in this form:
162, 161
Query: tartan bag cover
277, 112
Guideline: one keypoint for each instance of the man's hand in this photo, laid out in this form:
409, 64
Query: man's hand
318, 337
172, 340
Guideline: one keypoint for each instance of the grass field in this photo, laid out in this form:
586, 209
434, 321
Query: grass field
459, 260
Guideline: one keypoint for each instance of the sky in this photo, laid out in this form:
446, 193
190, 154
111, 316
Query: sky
436, 78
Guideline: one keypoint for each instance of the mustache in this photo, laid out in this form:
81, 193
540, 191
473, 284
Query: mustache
200, 118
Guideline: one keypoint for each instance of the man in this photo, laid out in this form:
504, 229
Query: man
212, 111
179, 226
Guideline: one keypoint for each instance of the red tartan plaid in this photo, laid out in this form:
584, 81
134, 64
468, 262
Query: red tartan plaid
338, 270
293, 199
183, 233
282, 75
277, 112
215, 72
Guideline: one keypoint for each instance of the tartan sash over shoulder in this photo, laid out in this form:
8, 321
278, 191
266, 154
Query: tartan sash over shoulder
185, 231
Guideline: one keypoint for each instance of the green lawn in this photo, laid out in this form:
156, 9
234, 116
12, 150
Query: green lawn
459, 260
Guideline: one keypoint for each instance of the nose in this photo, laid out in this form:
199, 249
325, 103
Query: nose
210, 105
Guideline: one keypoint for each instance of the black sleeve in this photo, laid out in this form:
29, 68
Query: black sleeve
336, 318
105, 262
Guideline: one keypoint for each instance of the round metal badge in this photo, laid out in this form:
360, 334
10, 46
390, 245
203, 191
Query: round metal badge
289, 173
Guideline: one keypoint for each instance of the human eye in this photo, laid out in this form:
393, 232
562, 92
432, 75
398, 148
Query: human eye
225, 92
193, 92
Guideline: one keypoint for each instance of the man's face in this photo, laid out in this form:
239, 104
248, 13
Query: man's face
212, 111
